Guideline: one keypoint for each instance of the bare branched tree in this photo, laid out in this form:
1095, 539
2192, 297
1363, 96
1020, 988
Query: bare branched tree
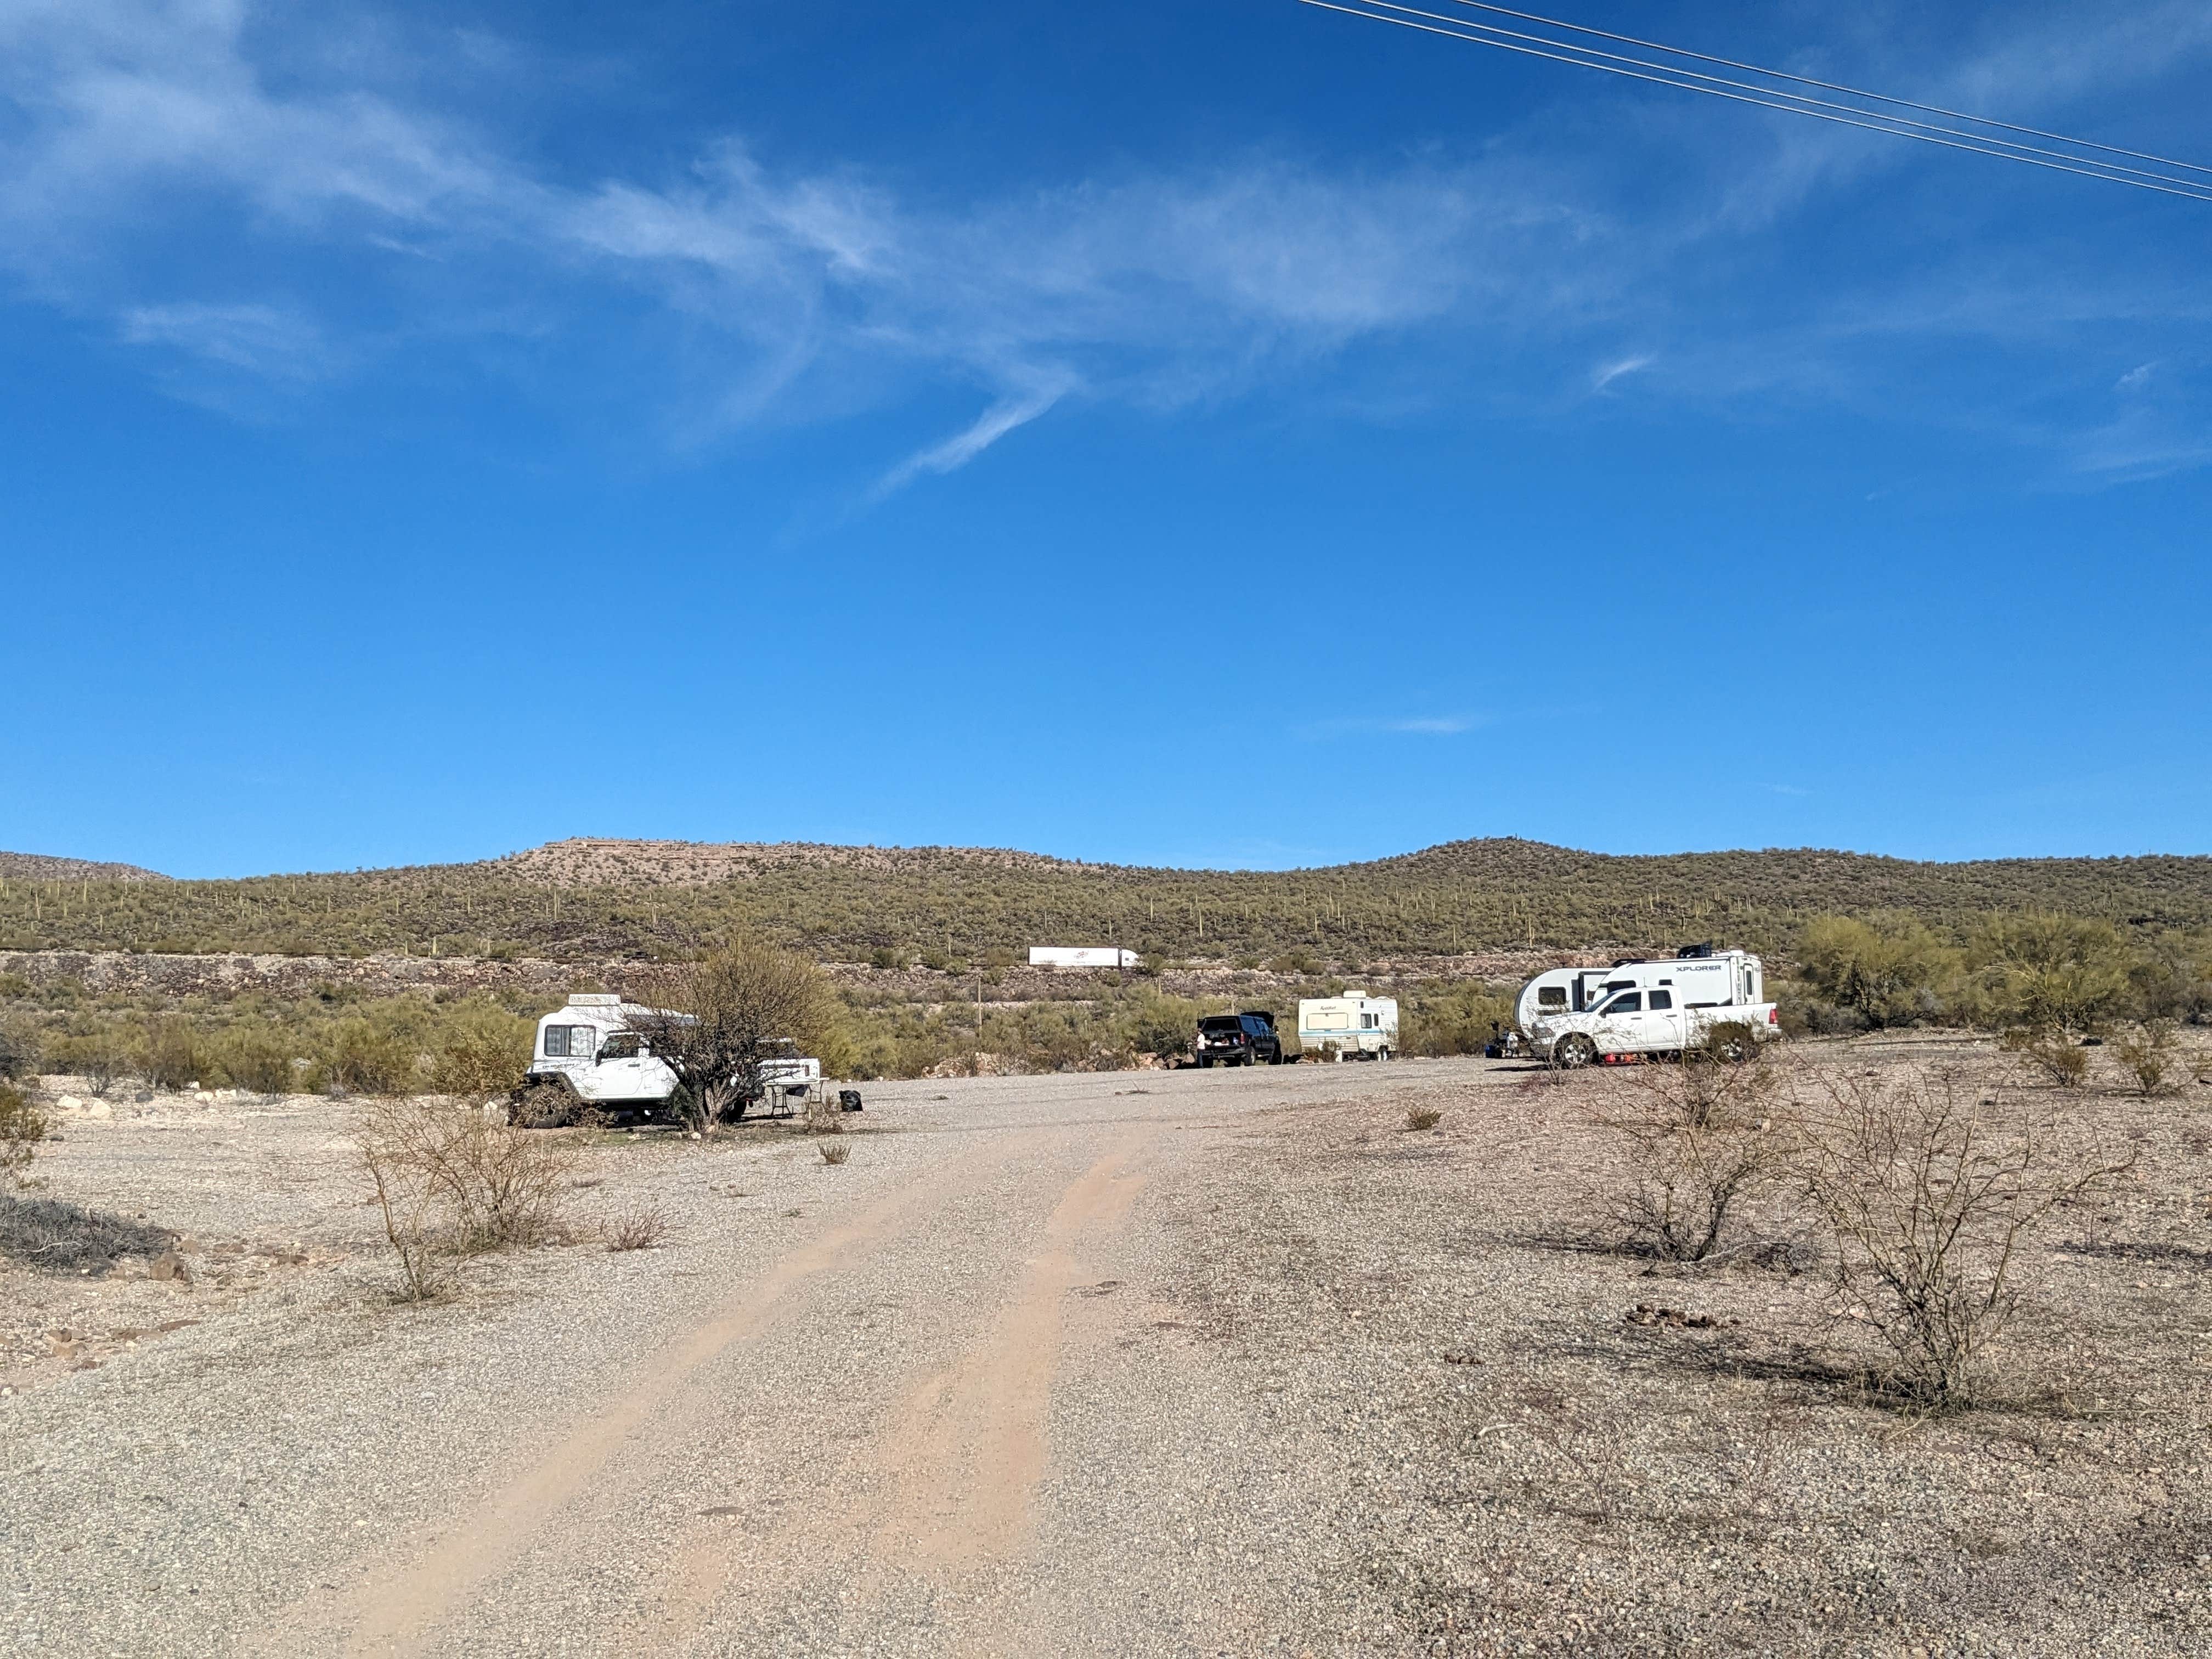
491, 1185
721, 1017
1931, 1184
1701, 1142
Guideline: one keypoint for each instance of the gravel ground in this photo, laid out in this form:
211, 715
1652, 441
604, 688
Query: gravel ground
1136, 1364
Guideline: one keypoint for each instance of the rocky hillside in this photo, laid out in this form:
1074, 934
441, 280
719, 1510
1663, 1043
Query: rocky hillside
589, 861
38, 867
591, 901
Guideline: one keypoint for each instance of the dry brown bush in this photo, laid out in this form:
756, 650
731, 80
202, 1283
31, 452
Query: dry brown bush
1701, 1143
414, 1224
2150, 1055
498, 1185
1423, 1117
1931, 1184
836, 1151
639, 1228
2049, 1053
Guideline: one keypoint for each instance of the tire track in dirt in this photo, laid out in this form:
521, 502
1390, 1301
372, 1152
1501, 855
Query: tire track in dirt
970, 1447
944, 1492
397, 1610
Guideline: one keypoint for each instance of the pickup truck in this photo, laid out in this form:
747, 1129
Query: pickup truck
1645, 1021
1237, 1040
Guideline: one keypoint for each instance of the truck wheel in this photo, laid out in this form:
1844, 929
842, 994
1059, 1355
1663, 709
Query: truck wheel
545, 1104
1573, 1051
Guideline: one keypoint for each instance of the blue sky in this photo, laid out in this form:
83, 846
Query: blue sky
1227, 434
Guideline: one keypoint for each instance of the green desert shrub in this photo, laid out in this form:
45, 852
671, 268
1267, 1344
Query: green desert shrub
253, 1056
1452, 1018
175, 1055
1886, 970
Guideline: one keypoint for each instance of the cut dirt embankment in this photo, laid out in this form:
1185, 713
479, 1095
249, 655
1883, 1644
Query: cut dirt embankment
159, 974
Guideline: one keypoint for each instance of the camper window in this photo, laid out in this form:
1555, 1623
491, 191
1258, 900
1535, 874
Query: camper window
567, 1043
1550, 996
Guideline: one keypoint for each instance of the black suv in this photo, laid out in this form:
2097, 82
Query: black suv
1238, 1040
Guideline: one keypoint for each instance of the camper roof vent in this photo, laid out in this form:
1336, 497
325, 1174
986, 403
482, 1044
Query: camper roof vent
1705, 949
594, 999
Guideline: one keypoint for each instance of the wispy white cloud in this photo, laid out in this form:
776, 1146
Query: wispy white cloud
1606, 374
799, 295
263, 340
1002, 417
1417, 726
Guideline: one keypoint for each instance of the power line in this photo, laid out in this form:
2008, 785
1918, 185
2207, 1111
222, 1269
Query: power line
1795, 98
1828, 86
1668, 74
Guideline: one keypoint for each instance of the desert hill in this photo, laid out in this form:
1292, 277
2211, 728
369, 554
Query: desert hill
597, 900
39, 866
590, 861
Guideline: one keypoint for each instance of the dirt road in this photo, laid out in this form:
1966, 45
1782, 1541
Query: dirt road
936, 1400
1132, 1364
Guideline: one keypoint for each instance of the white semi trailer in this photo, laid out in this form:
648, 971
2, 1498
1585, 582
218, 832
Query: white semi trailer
1080, 956
1662, 1005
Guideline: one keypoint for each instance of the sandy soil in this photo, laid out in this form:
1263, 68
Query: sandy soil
1138, 1363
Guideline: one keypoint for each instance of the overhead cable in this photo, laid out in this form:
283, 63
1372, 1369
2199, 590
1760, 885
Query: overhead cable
1776, 98
1828, 86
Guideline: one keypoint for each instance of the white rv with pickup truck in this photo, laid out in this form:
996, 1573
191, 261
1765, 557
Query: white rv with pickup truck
586, 1054
1660, 1006
1353, 1024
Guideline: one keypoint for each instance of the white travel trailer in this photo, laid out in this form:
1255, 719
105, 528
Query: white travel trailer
1659, 1007
1560, 991
1353, 1024
1080, 956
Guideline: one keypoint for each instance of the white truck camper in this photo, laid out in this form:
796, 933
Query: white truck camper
1653, 1007
587, 1056
589, 1047
1353, 1024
